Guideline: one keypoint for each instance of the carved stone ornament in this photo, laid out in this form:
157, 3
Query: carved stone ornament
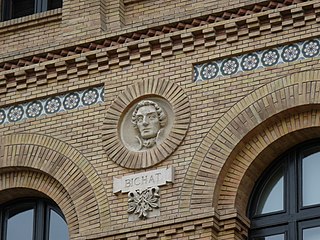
146, 123
143, 202
149, 119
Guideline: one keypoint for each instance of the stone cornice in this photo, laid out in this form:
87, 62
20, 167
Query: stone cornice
164, 45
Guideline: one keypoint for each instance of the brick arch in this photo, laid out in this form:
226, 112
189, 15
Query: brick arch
64, 164
16, 182
256, 154
216, 152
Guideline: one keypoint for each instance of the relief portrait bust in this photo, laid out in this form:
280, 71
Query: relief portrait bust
148, 118
146, 123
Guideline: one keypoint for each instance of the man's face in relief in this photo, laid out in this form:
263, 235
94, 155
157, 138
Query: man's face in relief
148, 122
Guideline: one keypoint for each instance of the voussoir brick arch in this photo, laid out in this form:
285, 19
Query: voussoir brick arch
256, 154
217, 151
17, 183
64, 164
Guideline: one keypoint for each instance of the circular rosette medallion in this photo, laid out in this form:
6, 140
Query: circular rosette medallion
15, 113
90, 97
34, 109
250, 62
209, 70
71, 101
290, 53
146, 123
52, 105
270, 57
311, 48
229, 66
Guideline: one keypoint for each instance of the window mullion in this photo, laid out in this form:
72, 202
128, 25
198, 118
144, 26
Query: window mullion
7, 10
39, 220
1, 224
44, 5
292, 230
47, 223
38, 6
5, 224
292, 200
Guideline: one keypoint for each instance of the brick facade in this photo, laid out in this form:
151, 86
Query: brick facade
231, 127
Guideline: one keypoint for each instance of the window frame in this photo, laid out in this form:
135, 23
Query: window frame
39, 6
295, 215
282, 229
307, 224
41, 206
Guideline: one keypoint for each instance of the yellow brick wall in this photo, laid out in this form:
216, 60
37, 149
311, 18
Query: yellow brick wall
215, 165
139, 13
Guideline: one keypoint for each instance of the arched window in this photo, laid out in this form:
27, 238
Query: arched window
285, 203
32, 219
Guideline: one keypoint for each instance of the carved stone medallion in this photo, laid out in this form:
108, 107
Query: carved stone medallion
146, 123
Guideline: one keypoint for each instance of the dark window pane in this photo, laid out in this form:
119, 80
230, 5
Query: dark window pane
58, 228
273, 237
22, 8
53, 4
20, 224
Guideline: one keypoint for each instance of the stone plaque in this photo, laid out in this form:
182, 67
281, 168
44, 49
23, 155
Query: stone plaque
144, 180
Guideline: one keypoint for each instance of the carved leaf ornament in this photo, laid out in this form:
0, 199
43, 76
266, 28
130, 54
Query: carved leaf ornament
141, 203
118, 131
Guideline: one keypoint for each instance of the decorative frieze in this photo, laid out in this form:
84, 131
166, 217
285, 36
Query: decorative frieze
52, 105
256, 60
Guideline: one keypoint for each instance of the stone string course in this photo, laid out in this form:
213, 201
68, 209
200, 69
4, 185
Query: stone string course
51, 105
263, 23
256, 60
